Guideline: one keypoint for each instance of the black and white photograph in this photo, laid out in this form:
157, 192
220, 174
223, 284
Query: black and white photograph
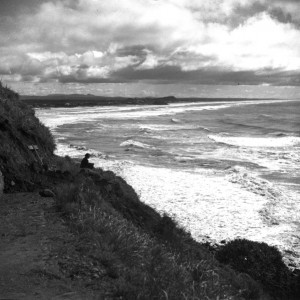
149, 149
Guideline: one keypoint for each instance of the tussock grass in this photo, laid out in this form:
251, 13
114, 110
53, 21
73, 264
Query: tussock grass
141, 262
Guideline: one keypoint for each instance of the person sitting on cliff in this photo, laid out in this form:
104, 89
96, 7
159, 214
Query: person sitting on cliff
85, 162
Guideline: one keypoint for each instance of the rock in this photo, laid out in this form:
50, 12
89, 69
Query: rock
46, 193
1, 185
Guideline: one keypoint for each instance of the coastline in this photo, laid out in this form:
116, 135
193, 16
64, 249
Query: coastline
182, 195
121, 247
242, 214
91, 100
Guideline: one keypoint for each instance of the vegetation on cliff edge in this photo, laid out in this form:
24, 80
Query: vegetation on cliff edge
19, 128
138, 253
134, 252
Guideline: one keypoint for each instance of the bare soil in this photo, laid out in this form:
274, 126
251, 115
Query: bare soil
38, 256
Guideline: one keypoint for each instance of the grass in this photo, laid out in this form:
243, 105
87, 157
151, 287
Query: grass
143, 261
19, 128
263, 263
22, 118
135, 252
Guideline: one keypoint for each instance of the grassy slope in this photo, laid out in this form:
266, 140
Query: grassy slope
19, 128
143, 255
148, 255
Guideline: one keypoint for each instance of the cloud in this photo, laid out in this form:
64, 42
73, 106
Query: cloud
284, 12
162, 41
174, 74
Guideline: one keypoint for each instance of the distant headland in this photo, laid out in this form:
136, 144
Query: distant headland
74, 100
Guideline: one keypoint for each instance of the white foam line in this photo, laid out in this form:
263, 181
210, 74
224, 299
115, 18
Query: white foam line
204, 202
257, 141
55, 117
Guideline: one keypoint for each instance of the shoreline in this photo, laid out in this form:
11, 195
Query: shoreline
121, 247
88, 101
171, 207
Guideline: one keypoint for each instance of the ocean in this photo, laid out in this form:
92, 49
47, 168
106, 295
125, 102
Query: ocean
222, 170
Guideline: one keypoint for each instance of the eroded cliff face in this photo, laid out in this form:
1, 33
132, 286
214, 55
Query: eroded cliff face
20, 129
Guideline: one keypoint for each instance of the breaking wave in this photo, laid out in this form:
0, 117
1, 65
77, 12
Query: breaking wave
269, 142
136, 144
174, 120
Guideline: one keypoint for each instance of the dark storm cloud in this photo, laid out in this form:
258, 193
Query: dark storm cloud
190, 41
287, 1
135, 50
282, 11
75, 79
174, 74
242, 13
278, 14
16, 7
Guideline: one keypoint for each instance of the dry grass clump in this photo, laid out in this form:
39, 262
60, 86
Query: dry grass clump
140, 264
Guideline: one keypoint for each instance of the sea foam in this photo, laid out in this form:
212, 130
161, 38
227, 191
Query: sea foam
135, 144
269, 142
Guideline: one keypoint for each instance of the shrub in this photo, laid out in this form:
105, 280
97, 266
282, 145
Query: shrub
262, 262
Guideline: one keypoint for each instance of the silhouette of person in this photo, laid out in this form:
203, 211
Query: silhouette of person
85, 162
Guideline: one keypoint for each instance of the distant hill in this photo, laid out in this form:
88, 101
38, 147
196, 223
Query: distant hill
73, 100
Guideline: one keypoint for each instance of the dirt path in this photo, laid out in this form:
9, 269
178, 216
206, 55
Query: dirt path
33, 244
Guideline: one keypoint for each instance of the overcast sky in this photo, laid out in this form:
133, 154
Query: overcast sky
154, 42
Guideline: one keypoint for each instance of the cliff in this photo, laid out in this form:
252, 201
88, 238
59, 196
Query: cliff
20, 129
100, 240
